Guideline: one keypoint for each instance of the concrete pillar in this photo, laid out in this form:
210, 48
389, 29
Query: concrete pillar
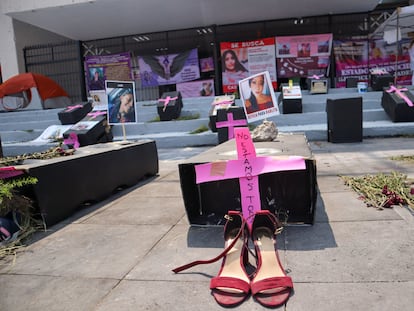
8, 56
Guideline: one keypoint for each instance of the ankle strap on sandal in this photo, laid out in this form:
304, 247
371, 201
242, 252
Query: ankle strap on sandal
218, 257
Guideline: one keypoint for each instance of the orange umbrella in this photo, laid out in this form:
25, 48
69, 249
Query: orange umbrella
46, 87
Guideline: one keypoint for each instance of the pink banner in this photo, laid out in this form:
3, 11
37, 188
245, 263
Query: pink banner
303, 56
358, 58
203, 88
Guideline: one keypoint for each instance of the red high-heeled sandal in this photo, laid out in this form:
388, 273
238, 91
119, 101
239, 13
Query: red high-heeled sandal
232, 284
270, 285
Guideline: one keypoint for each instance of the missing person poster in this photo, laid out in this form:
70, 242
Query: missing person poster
99, 68
303, 56
121, 101
240, 60
258, 97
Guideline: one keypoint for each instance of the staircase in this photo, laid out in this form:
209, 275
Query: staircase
19, 129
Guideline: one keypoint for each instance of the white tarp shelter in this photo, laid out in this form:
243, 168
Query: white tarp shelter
400, 25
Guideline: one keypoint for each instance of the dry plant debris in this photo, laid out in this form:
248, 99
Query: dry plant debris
383, 190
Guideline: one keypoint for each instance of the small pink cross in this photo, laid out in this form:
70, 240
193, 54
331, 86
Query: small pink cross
70, 108
72, 140
231, 124
167, 100
399, 92
95, 114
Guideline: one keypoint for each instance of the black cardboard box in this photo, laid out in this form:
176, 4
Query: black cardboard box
90, 129
227, 120
344, 117
379, 81
169, 106
291, 195
396, 107
220, 102
291, 99
75, 113
351, 82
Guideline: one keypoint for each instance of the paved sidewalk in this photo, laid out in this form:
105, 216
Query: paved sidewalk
118, 254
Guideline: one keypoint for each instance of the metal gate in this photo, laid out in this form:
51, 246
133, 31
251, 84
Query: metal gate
61, 62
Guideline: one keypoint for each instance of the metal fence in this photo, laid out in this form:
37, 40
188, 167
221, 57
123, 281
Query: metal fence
61, 62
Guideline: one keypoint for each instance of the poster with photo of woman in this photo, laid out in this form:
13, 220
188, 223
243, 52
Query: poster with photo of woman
258, 97
121, 101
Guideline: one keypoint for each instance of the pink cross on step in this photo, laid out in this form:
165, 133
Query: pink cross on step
230, 124
93, 115
70, 108
399, 92
166, 101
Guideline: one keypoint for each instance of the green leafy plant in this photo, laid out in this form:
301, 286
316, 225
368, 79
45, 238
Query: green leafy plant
9, 201
200, 129
14, 203
180, 118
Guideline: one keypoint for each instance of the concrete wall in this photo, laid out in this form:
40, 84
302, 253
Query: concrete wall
27, 35
12, 6
16, 35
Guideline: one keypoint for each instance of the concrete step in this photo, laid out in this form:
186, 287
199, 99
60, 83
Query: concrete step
18, 129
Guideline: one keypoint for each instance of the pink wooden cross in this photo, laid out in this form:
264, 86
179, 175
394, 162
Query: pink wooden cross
70, 108
247, 169
222, 103
399, 92
95, 114
316, 77
166, 101
230, 124
72, 140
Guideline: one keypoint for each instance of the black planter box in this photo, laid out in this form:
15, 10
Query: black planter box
291, 195
344, 120
90, 129
91, 174
73, 114
225, 126
220, 102
379, 81
291, 103
172, 109
396, 107
318, 86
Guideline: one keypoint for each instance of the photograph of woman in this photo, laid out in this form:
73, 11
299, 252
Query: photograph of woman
121, 105
259, 95
233, 70
96, 81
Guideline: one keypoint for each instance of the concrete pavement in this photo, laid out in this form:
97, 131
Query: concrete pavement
118, 254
